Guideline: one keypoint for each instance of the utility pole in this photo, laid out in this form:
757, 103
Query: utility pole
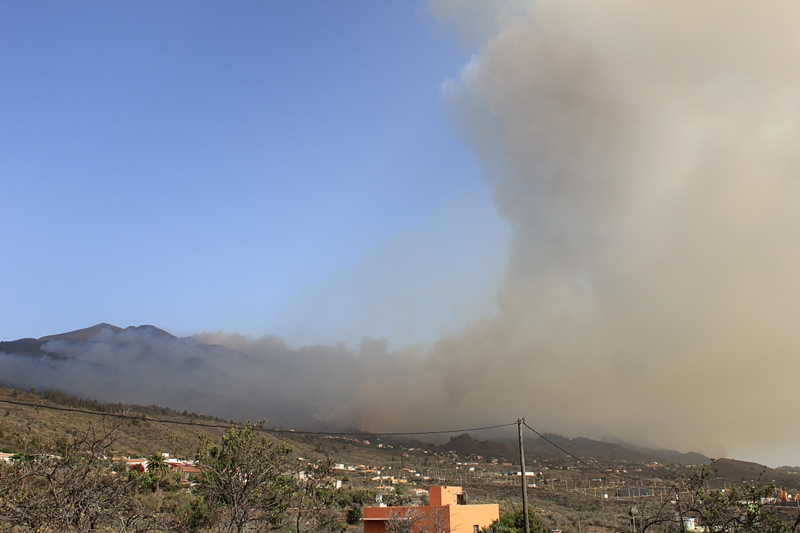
524, 481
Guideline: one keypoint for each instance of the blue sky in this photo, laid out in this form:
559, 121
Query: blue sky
257, 167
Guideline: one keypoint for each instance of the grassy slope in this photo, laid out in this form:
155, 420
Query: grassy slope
135, 437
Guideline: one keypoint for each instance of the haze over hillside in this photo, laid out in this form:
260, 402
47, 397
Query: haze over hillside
603, 236
147, 365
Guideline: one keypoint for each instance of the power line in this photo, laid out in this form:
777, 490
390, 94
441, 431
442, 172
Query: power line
112, 415
548, 440
267, 430
280, 431
437, 432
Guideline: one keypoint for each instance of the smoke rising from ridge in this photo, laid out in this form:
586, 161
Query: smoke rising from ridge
647, 158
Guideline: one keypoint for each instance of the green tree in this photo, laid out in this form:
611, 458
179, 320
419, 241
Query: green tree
514, 522
315, 497
354, 500
187, 510
399, 497
354, 515
157, 467
245, 479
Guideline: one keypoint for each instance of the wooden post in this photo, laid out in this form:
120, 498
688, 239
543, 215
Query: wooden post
524, 481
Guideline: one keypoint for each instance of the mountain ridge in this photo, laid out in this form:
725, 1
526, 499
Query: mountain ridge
582, 447
81, 335
33, 347
144, 364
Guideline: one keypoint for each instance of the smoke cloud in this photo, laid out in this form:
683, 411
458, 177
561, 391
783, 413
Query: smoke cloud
647, 158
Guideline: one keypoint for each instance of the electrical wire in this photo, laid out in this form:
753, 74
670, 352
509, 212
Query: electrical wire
551, 442
266, 430
281, 431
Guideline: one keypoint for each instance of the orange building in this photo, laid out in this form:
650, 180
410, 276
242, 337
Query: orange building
448, 512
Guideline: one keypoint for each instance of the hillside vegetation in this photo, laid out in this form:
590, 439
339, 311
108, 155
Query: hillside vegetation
593, 492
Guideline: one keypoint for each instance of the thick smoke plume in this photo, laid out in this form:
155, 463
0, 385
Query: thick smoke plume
647, 157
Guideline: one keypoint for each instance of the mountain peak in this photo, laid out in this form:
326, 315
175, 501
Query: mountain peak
81, 335
152, 330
